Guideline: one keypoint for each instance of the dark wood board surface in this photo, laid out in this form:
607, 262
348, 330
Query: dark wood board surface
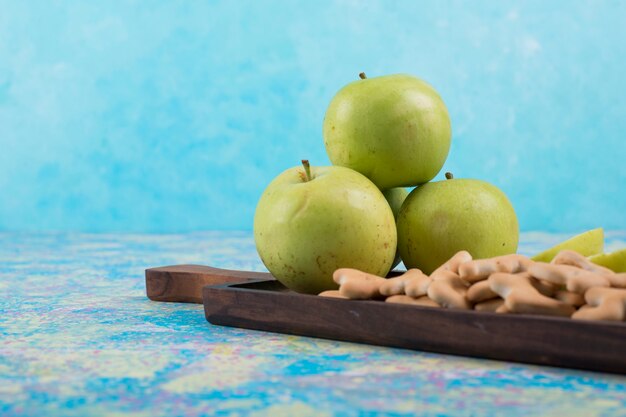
261, 304
183, 283
542, 340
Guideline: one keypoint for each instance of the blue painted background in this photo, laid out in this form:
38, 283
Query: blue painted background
173, 116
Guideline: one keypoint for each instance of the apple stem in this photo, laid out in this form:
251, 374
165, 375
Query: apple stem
449, 176
307, 170
362, 76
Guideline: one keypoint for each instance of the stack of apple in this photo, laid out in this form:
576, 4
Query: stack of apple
382, 135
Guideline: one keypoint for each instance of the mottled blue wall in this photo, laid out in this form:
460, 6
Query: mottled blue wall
173, 116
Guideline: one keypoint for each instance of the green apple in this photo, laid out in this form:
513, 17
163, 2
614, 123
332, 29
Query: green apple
395, 197
310, 222
615, 261
394, 129
441, 218
588, 243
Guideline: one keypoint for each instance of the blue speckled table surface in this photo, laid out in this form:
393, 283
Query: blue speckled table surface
79, 338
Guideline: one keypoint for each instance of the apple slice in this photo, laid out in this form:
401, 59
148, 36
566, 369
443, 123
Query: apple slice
615, 261
588, 243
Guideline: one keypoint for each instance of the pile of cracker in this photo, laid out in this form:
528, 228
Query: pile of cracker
569, 286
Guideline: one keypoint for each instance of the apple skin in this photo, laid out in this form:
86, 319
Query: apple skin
588, 243
395, 197
305, 230
394, 129
615, 261
441, 218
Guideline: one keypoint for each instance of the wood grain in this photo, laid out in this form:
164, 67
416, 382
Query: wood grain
542, 340
183, 283
255, 300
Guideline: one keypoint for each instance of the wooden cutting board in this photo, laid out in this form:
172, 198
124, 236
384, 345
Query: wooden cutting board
254, 300
183, 283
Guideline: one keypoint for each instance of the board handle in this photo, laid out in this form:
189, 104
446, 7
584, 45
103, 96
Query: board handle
183, 283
